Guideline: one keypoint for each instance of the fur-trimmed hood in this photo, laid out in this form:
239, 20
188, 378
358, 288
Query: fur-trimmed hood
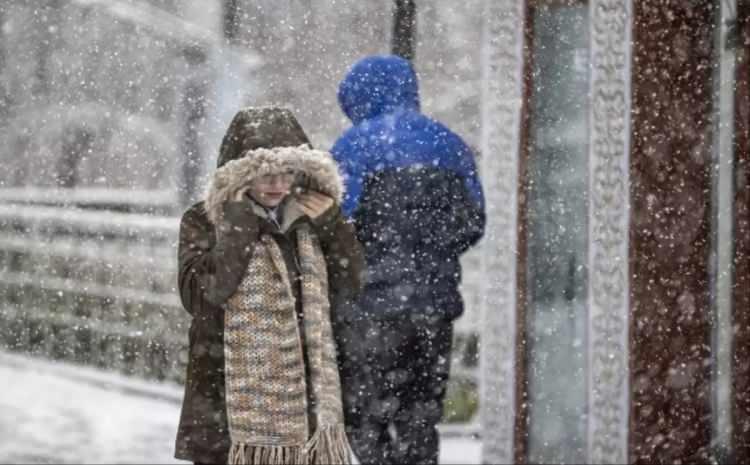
260, 128
317, 170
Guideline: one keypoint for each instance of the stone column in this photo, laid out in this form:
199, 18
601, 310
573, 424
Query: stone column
609, 216
741, 303
502, 78
670, 188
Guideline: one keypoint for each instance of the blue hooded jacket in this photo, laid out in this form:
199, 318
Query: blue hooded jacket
412, 189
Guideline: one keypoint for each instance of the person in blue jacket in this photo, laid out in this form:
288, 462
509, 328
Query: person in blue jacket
413, 193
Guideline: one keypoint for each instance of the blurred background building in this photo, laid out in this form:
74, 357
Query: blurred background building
122, 94
111, 115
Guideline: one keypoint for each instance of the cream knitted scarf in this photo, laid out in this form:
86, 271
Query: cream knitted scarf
270, 418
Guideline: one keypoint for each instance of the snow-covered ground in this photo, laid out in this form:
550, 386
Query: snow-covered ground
59, 413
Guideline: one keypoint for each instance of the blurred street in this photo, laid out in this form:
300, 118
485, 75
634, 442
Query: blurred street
60, 413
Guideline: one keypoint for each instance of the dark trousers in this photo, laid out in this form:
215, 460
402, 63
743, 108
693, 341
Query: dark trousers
394, 375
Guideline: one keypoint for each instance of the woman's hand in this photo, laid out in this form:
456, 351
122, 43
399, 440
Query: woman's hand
239, 194
314, 204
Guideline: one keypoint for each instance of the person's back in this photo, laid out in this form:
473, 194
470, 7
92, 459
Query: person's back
411, 188
414, 195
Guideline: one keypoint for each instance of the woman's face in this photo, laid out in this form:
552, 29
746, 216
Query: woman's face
270, 190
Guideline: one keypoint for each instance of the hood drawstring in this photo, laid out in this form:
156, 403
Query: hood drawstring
273, 215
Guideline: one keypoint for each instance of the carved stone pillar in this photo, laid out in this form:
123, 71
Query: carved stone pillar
502, 69
609, 215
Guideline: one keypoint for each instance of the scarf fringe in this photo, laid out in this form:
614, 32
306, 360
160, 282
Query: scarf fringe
245, 454
328, 446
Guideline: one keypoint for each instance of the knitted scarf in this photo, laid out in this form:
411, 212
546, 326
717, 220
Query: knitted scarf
271, 420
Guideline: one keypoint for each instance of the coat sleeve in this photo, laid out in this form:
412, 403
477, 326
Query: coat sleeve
212, 269
450, 218
464, 223
344, 258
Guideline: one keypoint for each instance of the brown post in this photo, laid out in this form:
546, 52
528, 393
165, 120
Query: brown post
76, 145
231, 20
670, 173
193, 108
5, 100
741, 304
404, 29
521, 426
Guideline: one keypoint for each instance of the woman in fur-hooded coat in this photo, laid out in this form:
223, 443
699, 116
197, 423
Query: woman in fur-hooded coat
262, 382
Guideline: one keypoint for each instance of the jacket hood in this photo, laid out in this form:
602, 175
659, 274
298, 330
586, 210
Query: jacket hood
260, 127
316, 170
378, 85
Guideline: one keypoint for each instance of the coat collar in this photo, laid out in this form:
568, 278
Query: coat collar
290, 214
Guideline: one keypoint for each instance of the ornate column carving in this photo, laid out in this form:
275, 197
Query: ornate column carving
609, 216
502, 69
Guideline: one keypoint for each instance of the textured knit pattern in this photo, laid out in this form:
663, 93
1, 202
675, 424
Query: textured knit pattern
266, 387
321, 349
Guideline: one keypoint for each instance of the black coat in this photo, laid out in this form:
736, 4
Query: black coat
414, 224
413, 190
